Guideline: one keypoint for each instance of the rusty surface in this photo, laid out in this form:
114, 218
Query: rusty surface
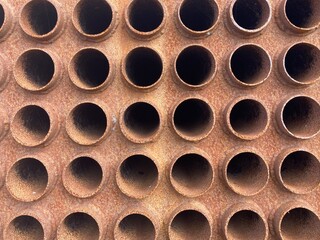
115, 128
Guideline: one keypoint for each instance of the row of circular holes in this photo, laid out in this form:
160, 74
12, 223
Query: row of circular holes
248, 66
146, 19
242, 221
192, 174
192, 119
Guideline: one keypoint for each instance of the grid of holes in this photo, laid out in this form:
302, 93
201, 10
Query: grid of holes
36, 69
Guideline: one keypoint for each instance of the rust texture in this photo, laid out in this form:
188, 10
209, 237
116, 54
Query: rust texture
172, 119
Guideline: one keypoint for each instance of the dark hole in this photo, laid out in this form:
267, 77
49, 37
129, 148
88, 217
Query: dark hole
2, 16
143, 66
248, 14
92, 67
243, 168
32, 170
81, 225
194, 65
132, 168
42, 16
87, 170
246, 224
301, 61
300, 12
247, 64
90, 119
137, 226
192, 116
248, 117
94, 16
38, 67
192, 170
142, 118
35, 120
27, 228
198, 15
146, 15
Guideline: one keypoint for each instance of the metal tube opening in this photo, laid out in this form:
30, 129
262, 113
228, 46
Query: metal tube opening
246, 224
136, 227
195, 66
78, 225
247, 173
138, 176
27, 179
191, 174
83, 177
25, 227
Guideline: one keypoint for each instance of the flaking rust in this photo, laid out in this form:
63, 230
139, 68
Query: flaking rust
147, 119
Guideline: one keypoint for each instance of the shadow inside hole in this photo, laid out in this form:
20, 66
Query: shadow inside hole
246, 224
194, 65
302, 62
26, 228
192, 172
42, 16
80, 225
92, 68
90, 121
37, 67
139, 173
146, 15
248, 117
2, 16
193, 117
198, 15
303, 13
94, 16
143, 66
142, 119
136, 227
248, 14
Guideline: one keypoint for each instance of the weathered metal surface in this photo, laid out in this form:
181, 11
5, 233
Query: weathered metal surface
144, 120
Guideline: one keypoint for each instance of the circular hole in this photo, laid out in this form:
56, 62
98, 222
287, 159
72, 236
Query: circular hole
93, 16
300, 224
136, 227
303, 13
199, 15
31, 125
34, 69
79, 225
2, 16
301, 117
27, 179
138, 176
193, 117
146, 15
195, 65
251, 14
246, 224
248, 118
143, 67
87, 123
25, 228
142, 119
190, 224
250, 64
300, 171
91, 68
247, 173
83, 176
39, 17
302, 62
192, 174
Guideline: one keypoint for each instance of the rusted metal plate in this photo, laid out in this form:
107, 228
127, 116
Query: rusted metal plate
191, 119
